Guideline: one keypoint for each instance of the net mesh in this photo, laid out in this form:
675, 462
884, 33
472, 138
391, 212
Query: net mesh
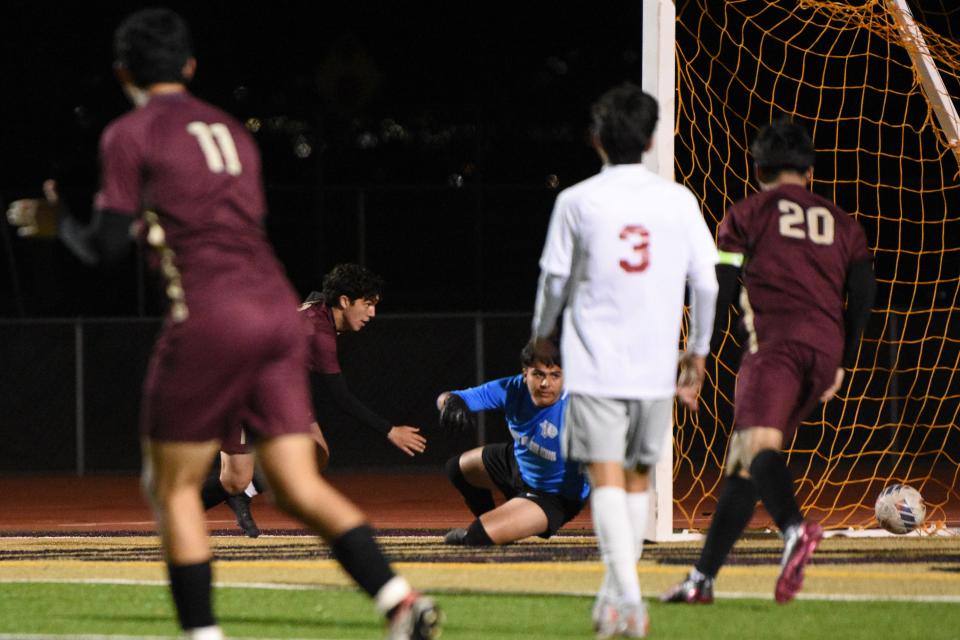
841, 70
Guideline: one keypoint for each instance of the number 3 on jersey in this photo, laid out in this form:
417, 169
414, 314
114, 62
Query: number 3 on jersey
639, 239
818, 222
217, 146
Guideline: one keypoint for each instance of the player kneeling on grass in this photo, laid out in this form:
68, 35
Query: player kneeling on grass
543, 490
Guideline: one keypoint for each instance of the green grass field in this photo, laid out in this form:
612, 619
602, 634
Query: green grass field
94, 609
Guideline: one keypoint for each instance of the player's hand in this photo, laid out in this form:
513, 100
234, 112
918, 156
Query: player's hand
832, 389
37, 217
692, 371
407, 439
455, 416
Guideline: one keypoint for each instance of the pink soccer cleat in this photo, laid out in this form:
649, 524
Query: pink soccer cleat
800, 541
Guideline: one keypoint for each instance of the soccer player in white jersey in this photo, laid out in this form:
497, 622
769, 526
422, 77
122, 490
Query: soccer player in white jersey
621, 248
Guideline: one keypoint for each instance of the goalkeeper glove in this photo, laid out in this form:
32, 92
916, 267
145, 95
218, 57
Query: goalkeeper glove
455, 416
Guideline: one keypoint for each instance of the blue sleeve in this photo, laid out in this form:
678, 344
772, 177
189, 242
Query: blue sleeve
490, 395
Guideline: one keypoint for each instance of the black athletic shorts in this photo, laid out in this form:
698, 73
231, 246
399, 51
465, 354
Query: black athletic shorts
501, 466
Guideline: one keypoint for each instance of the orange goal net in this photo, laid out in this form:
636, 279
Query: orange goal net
845, 72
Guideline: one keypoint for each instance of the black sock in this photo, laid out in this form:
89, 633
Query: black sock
738, 499
770, 473
477, 535
478, 500
361, 557
190, 586
213, 492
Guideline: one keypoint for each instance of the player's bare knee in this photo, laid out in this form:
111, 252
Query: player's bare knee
744, 446
234, 484
761, 438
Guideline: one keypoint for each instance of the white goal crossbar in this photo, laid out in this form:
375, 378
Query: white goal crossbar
927, 73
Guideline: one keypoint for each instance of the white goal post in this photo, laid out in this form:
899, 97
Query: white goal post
659, 80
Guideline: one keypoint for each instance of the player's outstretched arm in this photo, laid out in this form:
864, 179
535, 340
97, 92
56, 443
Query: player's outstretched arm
404, 437
36, 217
104, 242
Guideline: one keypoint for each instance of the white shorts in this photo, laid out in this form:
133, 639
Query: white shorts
631, 432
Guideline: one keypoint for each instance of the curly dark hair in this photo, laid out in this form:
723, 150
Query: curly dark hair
353, 281
782, 145
154, 45
624, 119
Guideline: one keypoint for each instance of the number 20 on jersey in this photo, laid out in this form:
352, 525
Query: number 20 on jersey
815, 223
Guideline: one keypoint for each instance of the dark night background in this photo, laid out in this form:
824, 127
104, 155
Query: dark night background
445, 128
429, 141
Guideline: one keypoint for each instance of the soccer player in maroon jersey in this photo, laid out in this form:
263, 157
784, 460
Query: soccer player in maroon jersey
231, 349
794, 257
347, 303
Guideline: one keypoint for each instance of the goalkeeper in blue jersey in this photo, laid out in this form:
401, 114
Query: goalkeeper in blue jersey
542, 490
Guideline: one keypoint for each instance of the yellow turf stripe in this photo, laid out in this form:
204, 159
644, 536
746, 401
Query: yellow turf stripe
591, 567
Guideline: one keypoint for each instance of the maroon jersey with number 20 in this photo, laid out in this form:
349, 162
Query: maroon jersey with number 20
797, 248
233, 350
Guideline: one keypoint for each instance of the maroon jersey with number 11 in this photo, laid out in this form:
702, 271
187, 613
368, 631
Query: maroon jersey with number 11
233, 351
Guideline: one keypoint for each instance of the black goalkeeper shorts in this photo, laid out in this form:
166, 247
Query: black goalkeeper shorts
501, 466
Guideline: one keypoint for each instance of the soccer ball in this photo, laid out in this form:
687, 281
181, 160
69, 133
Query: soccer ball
900, 509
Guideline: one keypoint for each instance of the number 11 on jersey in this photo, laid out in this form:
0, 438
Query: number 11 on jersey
217, 146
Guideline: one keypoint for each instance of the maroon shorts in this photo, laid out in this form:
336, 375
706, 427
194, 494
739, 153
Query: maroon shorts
239, 440
779, 385
236, 362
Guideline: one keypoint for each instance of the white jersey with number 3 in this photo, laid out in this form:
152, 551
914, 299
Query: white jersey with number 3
627, 240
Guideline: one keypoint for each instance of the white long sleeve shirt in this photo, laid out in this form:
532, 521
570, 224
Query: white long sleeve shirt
621, 248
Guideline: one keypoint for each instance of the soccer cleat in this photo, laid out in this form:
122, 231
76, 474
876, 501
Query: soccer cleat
691, 591
606, 619
455, 536
240, 505
634, 621
416, 618
799, 543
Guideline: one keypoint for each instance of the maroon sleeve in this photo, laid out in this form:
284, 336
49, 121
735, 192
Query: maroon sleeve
121, 162
731, 235
321, 339
858, 242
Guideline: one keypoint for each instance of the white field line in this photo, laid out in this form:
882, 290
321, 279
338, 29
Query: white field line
732, 595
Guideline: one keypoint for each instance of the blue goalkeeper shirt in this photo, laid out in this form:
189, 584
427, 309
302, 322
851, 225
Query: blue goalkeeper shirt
536, 435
